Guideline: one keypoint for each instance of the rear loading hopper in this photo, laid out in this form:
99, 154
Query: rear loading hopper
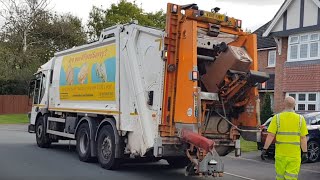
210, 85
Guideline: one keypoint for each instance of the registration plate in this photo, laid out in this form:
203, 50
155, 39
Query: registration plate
218, 17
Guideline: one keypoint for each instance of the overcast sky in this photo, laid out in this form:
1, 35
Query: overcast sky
253, 13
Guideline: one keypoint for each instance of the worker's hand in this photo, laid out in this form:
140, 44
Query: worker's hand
304, 157
264, 154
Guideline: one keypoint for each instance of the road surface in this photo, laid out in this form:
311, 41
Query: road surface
21, 159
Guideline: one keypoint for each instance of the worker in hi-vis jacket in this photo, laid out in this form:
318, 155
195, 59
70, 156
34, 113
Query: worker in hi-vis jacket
290, 130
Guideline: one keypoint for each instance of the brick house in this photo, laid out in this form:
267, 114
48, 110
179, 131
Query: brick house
266, 61
296, 30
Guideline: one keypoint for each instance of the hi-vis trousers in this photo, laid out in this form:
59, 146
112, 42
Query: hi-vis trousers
287, 167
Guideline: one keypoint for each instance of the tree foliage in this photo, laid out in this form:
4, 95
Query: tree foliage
21, 54
266, 111
32, 34
122, 13
20, 16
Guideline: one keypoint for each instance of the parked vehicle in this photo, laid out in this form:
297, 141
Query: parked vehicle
313, 125
185, 94
264, 134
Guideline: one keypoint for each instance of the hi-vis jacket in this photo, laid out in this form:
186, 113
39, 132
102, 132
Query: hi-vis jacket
288, 127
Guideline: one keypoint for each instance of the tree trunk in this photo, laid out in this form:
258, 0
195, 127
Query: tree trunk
24, 49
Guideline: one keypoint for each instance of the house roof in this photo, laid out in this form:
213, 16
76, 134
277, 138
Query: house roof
276, 18
298, 8
264, 42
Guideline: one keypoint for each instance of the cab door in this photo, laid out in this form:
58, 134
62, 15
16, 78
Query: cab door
36, 91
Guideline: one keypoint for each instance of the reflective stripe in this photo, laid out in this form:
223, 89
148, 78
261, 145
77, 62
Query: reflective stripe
293, 143
280, 176
291, 175
278, 122
289, 133
300, 122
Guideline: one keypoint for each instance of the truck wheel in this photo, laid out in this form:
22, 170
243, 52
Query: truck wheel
106, 148
83, 143
313, 151
178, 162
42, 138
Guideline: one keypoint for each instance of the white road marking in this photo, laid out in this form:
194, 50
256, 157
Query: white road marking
235, 175
301, 169
266, 162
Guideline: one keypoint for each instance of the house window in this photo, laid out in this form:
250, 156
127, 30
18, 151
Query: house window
304, 47
293, 95
306, 101
272, 58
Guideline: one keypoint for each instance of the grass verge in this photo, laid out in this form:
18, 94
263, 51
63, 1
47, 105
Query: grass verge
248, 146
14, 119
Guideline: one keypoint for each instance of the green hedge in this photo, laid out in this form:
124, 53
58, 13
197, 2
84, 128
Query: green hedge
13, 87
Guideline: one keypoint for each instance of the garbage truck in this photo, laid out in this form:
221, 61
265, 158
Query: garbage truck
185, 94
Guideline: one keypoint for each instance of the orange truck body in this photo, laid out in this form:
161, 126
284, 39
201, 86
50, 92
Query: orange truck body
181, 43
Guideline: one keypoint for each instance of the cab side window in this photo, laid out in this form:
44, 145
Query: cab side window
37, 87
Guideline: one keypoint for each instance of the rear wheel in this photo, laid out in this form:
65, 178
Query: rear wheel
313, 151
83, 143
42, 137
106, 148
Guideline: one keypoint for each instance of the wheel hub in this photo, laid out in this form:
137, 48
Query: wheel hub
107, 148
313, 150
84, 142
39, 131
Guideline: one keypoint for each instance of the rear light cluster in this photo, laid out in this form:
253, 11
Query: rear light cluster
195, 75
239, 23
174, 8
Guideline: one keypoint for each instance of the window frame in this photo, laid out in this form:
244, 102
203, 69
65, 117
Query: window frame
275, 58
306, 102
298, 43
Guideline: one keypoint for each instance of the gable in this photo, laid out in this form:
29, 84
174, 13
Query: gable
295, 16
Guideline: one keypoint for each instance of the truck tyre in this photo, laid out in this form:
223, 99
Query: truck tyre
42, 137
106, 148
83, 143
178, 162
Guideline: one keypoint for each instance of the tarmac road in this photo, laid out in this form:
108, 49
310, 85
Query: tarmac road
21, 159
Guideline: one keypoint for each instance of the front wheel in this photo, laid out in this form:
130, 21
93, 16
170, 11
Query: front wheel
313, 151
106, 148
42, 137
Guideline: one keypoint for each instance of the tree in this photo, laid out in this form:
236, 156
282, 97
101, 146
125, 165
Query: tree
266, 111
20, 15
49, 33
121, 13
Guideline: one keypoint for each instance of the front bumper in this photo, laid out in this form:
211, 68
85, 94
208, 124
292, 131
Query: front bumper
31, 128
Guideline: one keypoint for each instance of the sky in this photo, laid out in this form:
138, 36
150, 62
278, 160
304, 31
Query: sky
253, 13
